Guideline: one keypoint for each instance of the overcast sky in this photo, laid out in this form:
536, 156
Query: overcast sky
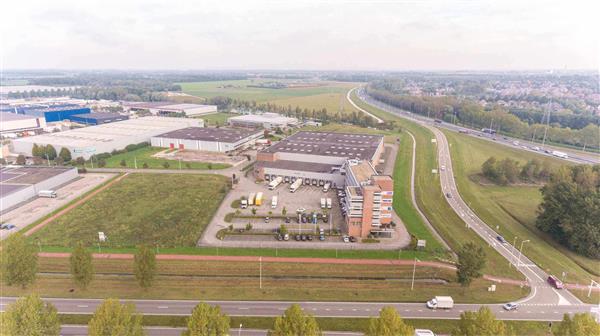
300, 34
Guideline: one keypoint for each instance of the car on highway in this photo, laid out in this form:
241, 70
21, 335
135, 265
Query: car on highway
424, 332
501, 239
443, 167
510, 306
554, 282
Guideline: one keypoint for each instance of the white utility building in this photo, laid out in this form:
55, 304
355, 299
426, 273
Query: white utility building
207, 139
166, 108
264, 120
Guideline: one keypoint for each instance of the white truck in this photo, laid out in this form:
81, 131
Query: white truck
561, 155
441, 302
323, 203
274, 202
296, 185
243, 203
329, 203
251, 199
47, 193
326, 187
275, 182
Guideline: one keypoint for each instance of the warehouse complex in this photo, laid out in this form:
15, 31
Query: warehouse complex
16, 123
346, 161
51, 112
264, 120
166, 108
19, 184
207, 139
97, 118
87, 141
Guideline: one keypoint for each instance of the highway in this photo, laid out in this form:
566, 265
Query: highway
549, 312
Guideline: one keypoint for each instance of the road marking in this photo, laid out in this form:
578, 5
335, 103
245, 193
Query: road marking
82, 306
163, 307
243, 308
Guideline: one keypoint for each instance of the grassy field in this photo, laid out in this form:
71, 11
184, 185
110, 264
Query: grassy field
330, 95
144, 155
142, 208
281, 281
513, 208
217, 118
431, 200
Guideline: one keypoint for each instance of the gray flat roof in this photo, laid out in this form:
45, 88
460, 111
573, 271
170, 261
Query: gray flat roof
228, 135
296, 165
353, 146
8, 116
13, 179
100, 115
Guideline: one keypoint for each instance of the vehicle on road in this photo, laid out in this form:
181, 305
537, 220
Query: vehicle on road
441, 302
510, 306
243, 203
297, 237
297, 184
561, 155
309, 238
424, 332
329, 203
449, 195
7, 226
323, 203
47, 193
303, 237
286, 237
279, 237
321, 237
536, 148
554, 282
438, 121
501, 239
443, 167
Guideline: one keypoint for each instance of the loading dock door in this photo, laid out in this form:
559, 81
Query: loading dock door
180, 146
172, 146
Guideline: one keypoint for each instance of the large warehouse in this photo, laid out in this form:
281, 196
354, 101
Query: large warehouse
207, 139
97, 118
14, 123
105, 138
166, 108
264, 120
53, 113
19, 184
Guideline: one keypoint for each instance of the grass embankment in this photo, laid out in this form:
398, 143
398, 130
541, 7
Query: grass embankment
317, 95
145, 155
219, 280
513, 208
141, 208
444, 327
431, 200
215, 119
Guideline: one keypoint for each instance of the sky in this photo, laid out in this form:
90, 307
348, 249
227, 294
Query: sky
300, 35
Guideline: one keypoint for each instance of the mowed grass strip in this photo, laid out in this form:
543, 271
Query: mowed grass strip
513, 209
217, 118
158, 209
145, 155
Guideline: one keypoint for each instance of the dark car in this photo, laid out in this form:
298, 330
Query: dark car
321, 237
287, 220
7, 227
552, 280
279, 237
303, 237
267, 219
310, 238
297, 237
352, 239
325, 219
448, 195
501, 239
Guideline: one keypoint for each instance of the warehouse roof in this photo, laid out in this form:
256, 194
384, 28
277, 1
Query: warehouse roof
272, 118
298, 165
7, 116
100, 115
162, 105
354, 146
16, 178
228, 135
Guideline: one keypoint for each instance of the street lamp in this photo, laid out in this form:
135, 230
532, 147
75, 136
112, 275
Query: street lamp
240, 330
513, 246
521, 251
412, 284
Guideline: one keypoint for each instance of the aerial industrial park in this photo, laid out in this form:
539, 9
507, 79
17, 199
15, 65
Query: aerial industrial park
317, 177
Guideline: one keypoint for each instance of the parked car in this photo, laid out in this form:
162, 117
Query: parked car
325, 219
449, 195
552, 280
321, 237
309, 237
300, 210
287, 220
297, 237
286, 237
501, 239
278, 237
303, 237
321, 231
510, 306
346, 239
7, 226
352, 239
443, 167
267, 219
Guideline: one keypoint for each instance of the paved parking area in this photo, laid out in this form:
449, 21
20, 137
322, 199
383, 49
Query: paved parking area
39, 207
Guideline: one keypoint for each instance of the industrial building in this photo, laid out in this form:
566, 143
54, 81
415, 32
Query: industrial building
263, 120
344, 160
87, 141
52, 113
166, 108
19, 184
207, 139
97, 118
16, 123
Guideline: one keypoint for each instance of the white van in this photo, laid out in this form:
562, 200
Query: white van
47, 193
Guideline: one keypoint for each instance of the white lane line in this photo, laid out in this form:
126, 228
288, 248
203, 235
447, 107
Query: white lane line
163, 307
82, 306
243, 308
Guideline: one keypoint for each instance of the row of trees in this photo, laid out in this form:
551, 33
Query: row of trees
509, 171
48, 152
570, 209
470, 113
32, 316
20, 264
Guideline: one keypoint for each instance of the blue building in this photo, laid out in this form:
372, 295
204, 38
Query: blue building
53, 112
97, 118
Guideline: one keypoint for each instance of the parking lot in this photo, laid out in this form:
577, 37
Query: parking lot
39, 207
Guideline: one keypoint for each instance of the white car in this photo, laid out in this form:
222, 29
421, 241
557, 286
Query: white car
300, 210
510, 306
443, 168
346, 239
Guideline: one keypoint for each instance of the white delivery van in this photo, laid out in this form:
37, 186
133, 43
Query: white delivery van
440, 302
47, 193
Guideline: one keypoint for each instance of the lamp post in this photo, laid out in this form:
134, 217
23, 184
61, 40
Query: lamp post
412, 284
240, 330
521, 252
513, 246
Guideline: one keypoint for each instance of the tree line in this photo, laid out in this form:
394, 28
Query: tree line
470, 113
509, 171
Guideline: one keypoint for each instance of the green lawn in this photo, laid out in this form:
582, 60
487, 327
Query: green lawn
330, 95
144, 155
513, 208
141, 208
217, 118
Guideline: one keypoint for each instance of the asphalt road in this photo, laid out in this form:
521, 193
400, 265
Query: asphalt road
542, 293
321, 309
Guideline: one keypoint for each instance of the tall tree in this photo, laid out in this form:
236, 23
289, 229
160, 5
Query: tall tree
113, 318
207, 320
65, 154
145, 266
389, 323
50, 152
31, 316
471, 261
480, 323
21, 159
295, 322
82, 269
580, 325
19, 261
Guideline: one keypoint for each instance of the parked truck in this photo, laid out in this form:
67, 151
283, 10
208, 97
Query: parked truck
243, 203
258, 200
274, 202
329, 203
47, 193
275, 182
326, 187
296, 185
441, 302
323, 203
251, 198
561, 155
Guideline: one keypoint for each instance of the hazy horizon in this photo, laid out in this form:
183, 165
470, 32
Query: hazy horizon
392, 36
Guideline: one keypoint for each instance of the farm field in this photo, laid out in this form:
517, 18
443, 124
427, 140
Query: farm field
141, 208
513, 208
144, 155
329, 95
281, 281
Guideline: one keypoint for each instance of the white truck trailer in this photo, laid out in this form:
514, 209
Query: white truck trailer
561, 155
274, 202
441, 302
326, 187
296, 185
329, 203
47, 193
323, 203
251, 198
273, 184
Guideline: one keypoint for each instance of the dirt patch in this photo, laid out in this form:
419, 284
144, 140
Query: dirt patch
200, 156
